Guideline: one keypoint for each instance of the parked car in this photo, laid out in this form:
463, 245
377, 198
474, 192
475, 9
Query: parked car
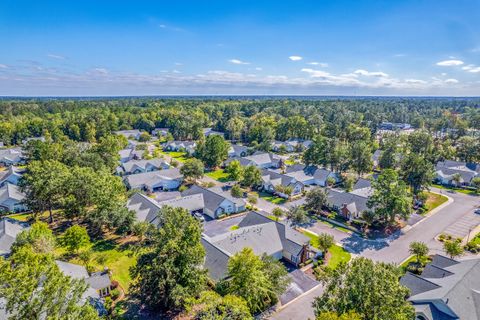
477, 211
198, 216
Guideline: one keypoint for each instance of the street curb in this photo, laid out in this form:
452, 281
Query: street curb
431, 213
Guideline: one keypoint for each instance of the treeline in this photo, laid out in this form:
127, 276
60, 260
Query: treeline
247, 120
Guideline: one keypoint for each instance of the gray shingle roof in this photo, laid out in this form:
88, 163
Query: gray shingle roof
190, 203
151, 178
449, 289
131, 165
276, 178
255, 231
9, 229
146, 209
212, 197
339, 198
11, 192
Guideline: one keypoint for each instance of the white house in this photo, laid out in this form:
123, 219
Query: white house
140, 166
129, 134
311, 175
169, 179
216, 202
271, 182
11, 198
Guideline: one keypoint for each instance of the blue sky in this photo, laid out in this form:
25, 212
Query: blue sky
357, 47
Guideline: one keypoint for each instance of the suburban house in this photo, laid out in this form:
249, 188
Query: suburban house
27, 140
263, 235
216, 202
140, 166
349, 205
363, 187
9, 229
291, 145
446, 289
209, 132
187, 146
129, 134
99, 282
160, 132
262, 160
311, 175
146, 209
447, 171
169, 179
11, 175
394, 126
130, 154
237, 151
11, 198
271, 181
11, 156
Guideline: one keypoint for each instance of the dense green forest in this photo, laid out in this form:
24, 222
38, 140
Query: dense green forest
248, 119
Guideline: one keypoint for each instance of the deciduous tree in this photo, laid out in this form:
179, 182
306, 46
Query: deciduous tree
171, 272
362, 287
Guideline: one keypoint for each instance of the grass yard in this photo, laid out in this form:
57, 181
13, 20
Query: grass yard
270, 197
464, 191
337, 253
434, 200
108, 253
28, 216
219, 175
177, 155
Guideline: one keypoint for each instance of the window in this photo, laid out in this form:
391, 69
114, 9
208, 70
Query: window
294, 259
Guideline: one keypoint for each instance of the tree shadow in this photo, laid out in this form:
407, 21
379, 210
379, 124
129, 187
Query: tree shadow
104, 245
357, 244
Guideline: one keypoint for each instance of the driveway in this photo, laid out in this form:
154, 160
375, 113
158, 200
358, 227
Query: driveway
301, 308
457, 216
300, 284
213, 228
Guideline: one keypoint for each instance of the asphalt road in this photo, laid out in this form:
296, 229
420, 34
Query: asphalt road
395, 249
455, 216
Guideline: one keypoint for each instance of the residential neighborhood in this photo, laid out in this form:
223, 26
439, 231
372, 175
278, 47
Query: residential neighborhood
294, 212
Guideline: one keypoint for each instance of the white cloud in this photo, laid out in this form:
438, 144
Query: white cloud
415, 81
56, 56
443, 74
399, 55
451, 81
258, 69
178, 64
162, 26
237, 61
320, 64
3, 66
450, 63
295, 58
100, 71
471, 68
371, 74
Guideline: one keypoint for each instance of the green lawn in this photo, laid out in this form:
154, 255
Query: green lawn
434, 200
177, 155
219, 175
464, 191
27, 216
115, 257
338, 254
271, 198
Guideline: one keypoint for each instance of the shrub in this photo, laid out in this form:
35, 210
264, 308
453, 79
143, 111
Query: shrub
114, 294
182, 188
